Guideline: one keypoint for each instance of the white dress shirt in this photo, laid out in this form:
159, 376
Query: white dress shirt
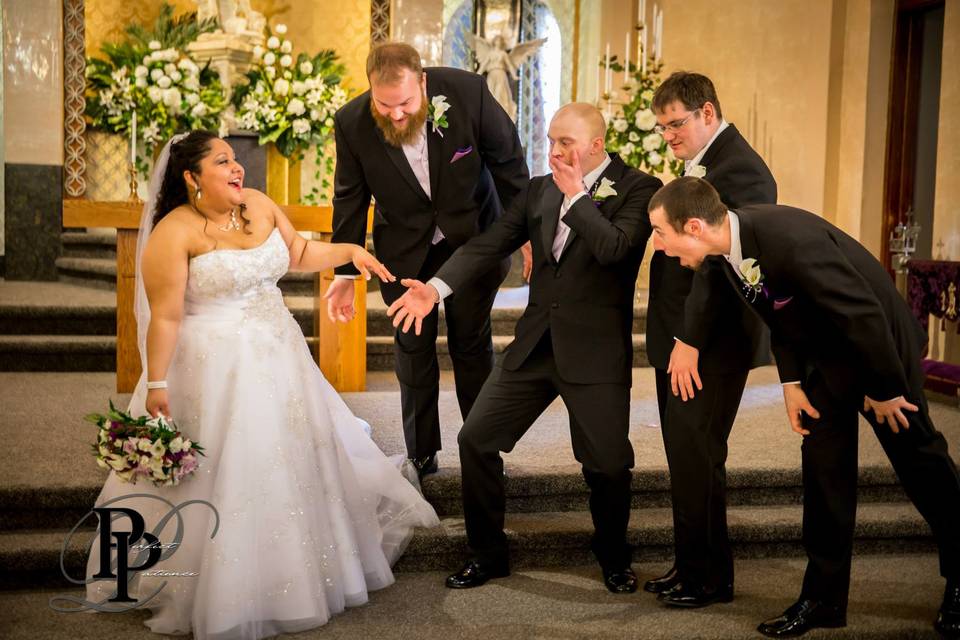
562, 230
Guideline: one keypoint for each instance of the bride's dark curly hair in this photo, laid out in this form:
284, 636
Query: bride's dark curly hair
185, 155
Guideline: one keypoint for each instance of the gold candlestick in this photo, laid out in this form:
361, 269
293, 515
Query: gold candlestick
134, 196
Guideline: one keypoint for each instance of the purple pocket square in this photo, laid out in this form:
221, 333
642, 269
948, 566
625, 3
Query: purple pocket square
460, 153
780, 303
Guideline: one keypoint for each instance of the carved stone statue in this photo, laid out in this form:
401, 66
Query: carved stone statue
501, 64
235, 17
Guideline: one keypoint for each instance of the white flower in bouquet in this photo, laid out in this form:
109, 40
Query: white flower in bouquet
176, 76
646, 95
141, 71
654, 159
151, 132
329, 122
286, 47
164, 82
296, 107
273, 43
199, 110
288, 75
171, 55
440, 107
270, 71
301, 126
155, 94
645, 120
339, 97
286, 61
169, 68
634, 136
192, 83
315, 97
281, 87
176, 445
620, 125
191, 98
281, 28
652, 142
154, 45
306, 67
257, 52
147, 60
269, 58
628, 149
141, 83
172, 99
315, 114
156, 74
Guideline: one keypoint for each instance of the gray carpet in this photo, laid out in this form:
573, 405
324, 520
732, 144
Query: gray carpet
892, 597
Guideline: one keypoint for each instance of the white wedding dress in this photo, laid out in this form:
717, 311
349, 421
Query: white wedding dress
311, 513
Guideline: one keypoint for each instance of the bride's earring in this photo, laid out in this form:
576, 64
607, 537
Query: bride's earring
199, 195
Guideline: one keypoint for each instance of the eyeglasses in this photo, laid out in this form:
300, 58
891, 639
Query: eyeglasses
674, 126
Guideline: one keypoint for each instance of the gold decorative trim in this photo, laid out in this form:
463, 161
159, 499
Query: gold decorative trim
379, 21
74, 104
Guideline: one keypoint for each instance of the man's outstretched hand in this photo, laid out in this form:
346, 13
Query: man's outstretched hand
414, 305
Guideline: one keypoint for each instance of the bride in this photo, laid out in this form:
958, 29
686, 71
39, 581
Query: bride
310, 514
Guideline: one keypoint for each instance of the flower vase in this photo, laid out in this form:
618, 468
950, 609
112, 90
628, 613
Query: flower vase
283, 177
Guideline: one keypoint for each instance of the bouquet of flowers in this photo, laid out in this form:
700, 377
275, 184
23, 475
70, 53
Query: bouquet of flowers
630, 133
151, 74
290, 102
143, 447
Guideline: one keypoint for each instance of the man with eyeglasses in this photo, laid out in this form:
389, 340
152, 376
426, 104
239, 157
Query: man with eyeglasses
702, 342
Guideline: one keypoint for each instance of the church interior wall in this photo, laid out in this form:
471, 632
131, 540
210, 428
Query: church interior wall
946, 216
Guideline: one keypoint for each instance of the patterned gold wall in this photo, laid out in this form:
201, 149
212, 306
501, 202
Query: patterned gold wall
106, 19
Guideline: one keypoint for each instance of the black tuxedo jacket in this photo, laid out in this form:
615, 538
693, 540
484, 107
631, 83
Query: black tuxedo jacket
476, 165
697, 307
830, 305
586, 299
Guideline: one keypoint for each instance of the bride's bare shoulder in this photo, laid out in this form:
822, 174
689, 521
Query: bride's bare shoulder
259, 205
176, 232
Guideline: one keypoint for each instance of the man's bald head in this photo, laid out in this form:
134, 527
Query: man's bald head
578, 129
588, 113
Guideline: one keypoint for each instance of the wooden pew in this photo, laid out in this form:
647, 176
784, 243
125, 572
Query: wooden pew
342, 349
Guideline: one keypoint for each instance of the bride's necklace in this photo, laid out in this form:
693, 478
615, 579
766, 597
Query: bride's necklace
232, 224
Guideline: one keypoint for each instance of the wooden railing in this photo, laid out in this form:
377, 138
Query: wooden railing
342, 348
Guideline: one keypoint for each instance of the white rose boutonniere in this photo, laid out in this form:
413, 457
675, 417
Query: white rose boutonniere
752, 279
698, 171
436, 113
604, 191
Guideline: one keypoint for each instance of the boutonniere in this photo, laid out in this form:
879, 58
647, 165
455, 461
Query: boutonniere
752, 279
436, 113
698, 171
604, 191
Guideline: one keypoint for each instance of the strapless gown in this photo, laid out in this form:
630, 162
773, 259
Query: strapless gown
312, 514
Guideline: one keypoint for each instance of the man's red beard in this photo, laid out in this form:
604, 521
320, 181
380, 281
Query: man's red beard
399, 137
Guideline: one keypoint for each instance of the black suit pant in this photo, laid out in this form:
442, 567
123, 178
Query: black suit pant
470, 342
507, 406
695, 439
920, 459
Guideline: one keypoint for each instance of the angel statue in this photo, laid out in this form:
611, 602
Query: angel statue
234, 16
496, 61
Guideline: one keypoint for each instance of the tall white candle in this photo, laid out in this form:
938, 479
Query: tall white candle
643, 53
133, 138
642, 11
606, 71
659, 36
596, 93
626, 61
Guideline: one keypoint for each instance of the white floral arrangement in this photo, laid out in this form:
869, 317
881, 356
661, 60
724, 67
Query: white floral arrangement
291, 101
630, 133
150, 74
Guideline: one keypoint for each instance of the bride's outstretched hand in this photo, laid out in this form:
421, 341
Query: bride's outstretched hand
414, 305
367, 264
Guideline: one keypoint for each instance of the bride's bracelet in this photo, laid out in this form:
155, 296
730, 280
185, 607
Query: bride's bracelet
157, 384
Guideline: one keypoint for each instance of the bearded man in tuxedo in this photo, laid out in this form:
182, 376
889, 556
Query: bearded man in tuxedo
441, 159
845, 342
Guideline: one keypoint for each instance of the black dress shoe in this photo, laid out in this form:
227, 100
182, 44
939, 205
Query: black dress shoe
801, 617
948, 618
664, 582
474, 574
620, 580
691, 595
425, 465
